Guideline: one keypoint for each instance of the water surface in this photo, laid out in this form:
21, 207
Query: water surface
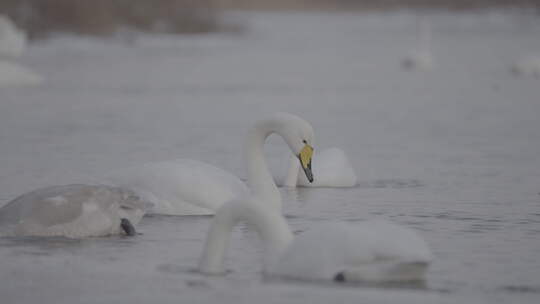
453, 153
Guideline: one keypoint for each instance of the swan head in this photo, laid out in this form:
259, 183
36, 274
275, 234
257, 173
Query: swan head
298, 134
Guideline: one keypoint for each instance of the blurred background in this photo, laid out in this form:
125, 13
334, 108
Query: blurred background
103, 17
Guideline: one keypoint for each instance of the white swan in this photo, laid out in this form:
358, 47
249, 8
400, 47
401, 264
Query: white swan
420, 58
72, 211
528, 66
372, 251
13, 74
12, 44
331, 167
190, 187
12, 40
181, 187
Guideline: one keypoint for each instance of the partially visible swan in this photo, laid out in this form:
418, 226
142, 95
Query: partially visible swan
13, 74
372, 251
331, 167
12, 40
12, 44
190, 187
73, 211
420, 58
181, 187
528, 66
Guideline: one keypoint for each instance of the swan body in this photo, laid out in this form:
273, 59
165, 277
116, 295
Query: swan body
372, 251
420, 58
529, 66
331, 167
12, 40
12, 44
13, 74
73, 211
181, 187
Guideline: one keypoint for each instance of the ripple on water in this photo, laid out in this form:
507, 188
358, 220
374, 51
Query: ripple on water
483, 227
476, 223
450, 215
520, 288
394, 183
174, 269
457, 216
40, 242
418, 285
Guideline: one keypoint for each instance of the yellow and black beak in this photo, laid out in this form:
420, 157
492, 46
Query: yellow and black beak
305, 160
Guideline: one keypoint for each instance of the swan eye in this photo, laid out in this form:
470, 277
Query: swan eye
304, 141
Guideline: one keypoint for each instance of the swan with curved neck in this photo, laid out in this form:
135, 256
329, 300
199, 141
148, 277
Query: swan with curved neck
374, 251
190, 187
265, 196
297, 133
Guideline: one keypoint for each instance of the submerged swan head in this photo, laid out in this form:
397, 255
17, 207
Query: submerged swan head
372, 251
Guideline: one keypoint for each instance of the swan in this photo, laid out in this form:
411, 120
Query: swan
13, 74
73, 211
420, 58
528, 66
180, 187
12, 40
190, 187
372, 251
331, 166
12, 44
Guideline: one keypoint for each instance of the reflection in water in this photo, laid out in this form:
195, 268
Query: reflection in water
391, 183
521, 288
419, 285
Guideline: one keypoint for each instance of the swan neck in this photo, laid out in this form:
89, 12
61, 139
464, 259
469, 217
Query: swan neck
268, 222
260, 180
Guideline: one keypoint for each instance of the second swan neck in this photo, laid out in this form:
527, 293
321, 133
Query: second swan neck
260, 180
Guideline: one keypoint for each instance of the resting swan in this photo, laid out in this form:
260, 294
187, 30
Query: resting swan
190, 187
12, 40
372, 251
73, 211
528, 66
12, 45
331, 167
420, 58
